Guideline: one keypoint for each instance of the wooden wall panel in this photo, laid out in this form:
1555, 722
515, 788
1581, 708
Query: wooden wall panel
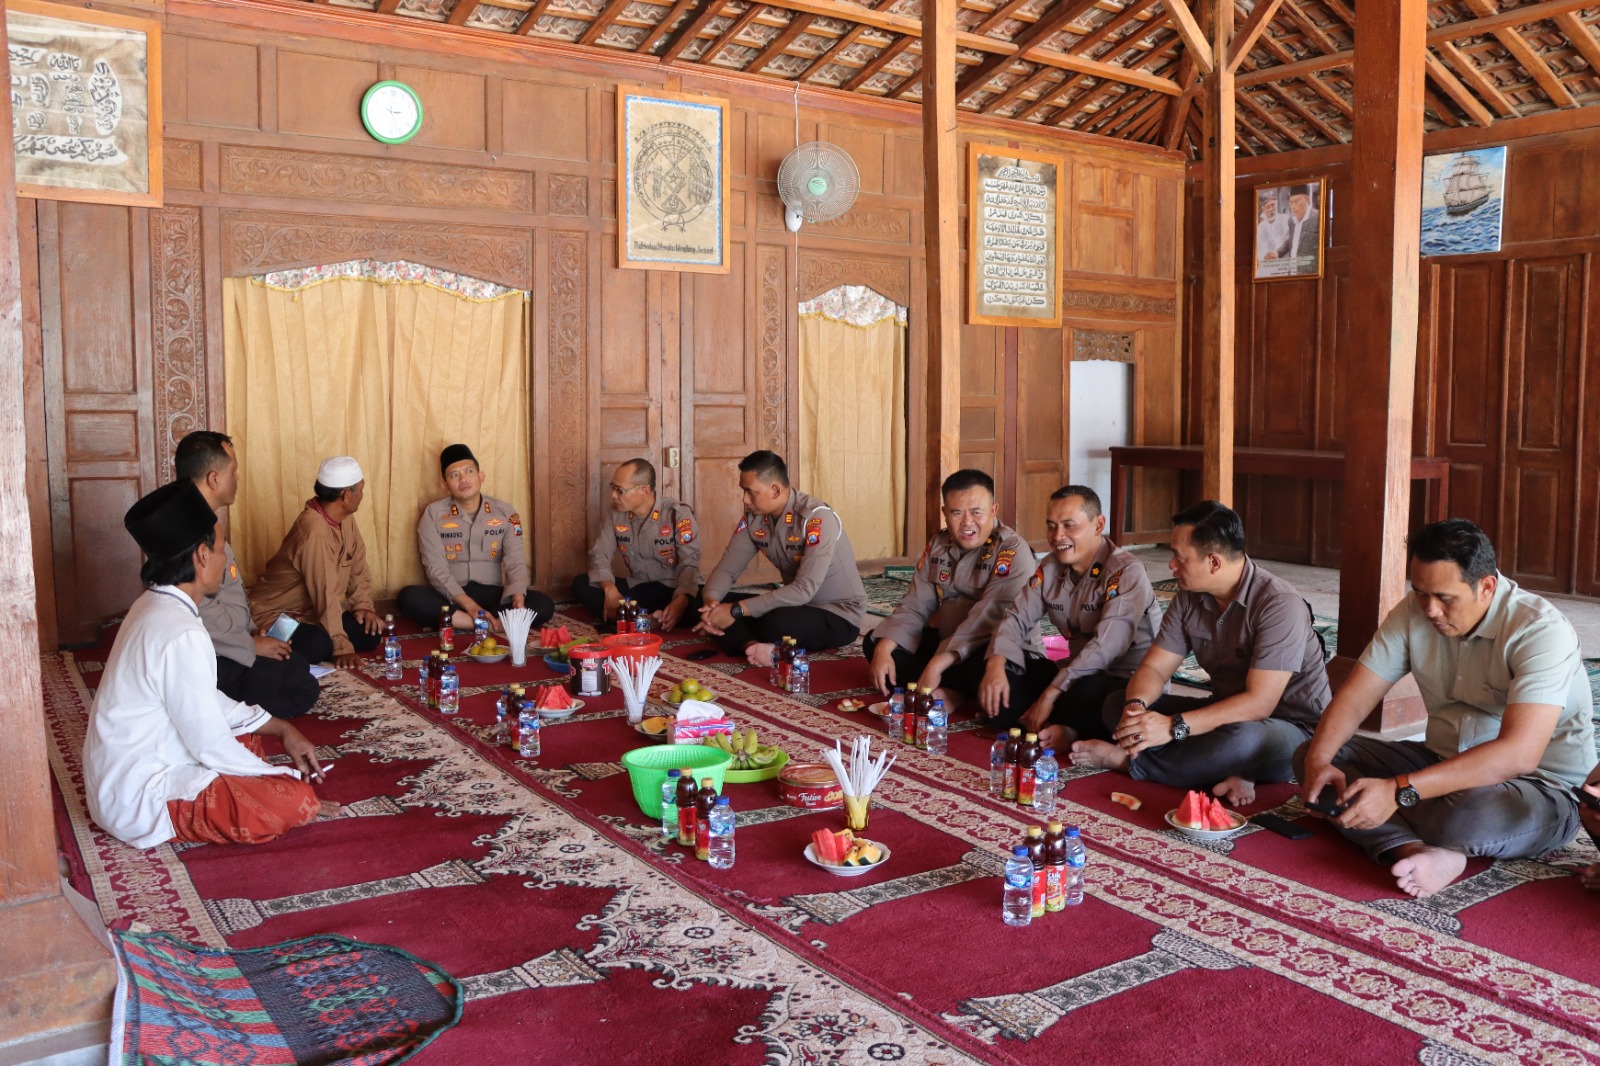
982, 400
320, 95
1469, 397
1043, 401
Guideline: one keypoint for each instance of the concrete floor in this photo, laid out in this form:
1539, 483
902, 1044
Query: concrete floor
1320, 586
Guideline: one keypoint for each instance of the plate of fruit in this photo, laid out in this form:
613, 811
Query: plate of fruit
842, 853
1205, 818
752, 760
688, 689
851, 706
655, 727
488, 650
554, 703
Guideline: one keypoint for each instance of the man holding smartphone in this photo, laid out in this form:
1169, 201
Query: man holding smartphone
1509, 732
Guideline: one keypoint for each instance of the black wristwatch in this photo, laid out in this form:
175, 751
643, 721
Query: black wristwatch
1180, 728
737, 610
1405, 793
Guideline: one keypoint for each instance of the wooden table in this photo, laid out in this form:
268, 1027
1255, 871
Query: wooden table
1272, 462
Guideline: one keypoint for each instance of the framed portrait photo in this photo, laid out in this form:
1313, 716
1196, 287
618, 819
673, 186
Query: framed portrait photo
1289, 230
86, 104
672, 187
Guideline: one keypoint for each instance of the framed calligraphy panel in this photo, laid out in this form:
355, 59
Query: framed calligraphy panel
85, 104
672, 187
1014, 219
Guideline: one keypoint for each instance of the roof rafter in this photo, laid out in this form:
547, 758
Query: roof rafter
1253, 28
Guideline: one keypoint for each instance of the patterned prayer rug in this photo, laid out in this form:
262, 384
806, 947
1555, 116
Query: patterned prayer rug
580, 935
318, 1000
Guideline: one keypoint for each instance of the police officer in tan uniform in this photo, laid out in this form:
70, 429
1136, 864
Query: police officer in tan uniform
472, 551
659, 540
822, 600
966, 579
1100, 598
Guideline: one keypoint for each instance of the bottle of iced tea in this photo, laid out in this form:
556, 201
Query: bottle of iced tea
1055, 867
706, 799
686, 798
1013, 753
1035, 844
1028, 755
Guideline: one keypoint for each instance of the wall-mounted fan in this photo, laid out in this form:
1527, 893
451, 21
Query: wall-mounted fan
817, 182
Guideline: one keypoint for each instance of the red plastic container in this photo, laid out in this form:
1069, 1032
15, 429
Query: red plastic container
632, 645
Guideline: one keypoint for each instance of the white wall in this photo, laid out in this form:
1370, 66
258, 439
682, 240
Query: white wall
1101, 416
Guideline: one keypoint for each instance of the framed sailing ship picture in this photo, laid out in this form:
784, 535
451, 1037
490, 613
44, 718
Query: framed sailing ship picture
1462, 197
1289, 230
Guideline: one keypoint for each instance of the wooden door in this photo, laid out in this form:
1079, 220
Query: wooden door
1538, 496
94, 322
1468, 399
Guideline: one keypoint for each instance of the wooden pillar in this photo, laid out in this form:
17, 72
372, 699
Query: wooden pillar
54, 974
1217, 286
1385, 218
942, 237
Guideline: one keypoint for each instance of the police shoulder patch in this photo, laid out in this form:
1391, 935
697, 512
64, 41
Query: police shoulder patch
686, 530
1002, 562
814, 530
1037, 580
744, 524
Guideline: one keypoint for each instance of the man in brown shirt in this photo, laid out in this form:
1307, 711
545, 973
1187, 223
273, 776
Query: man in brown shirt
658, 538
1252, 633
251, 666
319, 577
822, 600
966, 579
1100, 598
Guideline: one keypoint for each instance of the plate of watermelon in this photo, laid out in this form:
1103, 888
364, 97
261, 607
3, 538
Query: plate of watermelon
842, 853
1205, 818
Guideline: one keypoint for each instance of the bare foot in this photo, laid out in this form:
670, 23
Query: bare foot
1235, 790
1424, 869
758, 654
1099, 753
1057, 737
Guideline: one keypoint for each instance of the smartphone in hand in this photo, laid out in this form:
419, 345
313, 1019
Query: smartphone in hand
1327, 803
1588, 799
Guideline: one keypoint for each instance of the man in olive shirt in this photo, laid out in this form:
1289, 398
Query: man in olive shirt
822, 601
1510, 730
968, 575
251, 666
319, 576
1100, 598
1252, 633
660, 540
471, 550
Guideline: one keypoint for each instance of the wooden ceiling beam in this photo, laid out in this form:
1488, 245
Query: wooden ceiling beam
688, 32
1107, 71
1178, 114
1324, 90
877, 63
838, 46
1289, 71
535, 13
1525, 56
1252, 29
1440, 108
883, 20
386, 7
1072, 107
1480, 82
1343, 10
1577, 31
1114, 110
1315, 33
1049, 24
1307, 116
1021, 87
1440, 75
1249, 127
1272, 120
602, 22
907, 84
729, 35
787, 36
1148, 105
999, 15
462, 12
1194, 38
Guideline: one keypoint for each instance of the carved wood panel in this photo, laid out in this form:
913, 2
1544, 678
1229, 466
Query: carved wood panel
821, 271
566, 456
775, 313
255, 171
176, 330
254, 242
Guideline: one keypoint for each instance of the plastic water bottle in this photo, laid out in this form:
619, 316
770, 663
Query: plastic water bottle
1018, 908
669, 804
997, 767
528, 725
642, 622
502, 715
1077, 857
722, 834
423, 688
938, 728
391, 650
800, 674
480, 627
449, 690
1046, 782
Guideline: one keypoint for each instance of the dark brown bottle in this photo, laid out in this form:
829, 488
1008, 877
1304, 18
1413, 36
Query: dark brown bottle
1026, 757
704, 800
1055, 867
686, 798
1013, 752
1035, 844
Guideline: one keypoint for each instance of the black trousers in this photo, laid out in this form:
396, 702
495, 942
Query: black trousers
1079, 708
964, 677
315, 646
813, 628
284, 688
652, 596
422, 603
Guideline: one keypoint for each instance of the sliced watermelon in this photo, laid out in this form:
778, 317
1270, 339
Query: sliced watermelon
1191, 812
1217, 816
824, 846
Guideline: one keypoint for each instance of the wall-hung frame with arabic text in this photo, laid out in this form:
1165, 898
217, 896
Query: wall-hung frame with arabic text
672, 187
1014, 219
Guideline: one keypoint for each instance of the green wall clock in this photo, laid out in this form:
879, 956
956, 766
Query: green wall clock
392, 112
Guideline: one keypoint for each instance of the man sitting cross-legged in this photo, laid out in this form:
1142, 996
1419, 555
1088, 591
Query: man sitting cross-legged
1252, 633
1510, 729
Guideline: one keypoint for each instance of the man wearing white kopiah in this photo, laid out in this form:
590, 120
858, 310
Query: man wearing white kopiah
166, 755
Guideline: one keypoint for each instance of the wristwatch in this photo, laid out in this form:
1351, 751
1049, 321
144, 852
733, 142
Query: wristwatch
1405, 794
1180, 728
737, 610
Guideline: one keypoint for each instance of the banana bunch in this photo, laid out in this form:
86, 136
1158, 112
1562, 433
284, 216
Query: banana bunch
746, 748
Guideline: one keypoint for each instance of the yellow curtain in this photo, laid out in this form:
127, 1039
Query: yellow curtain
853, 427
388, 373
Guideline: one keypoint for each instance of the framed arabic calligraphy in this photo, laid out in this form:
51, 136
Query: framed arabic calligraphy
672, 188
1014, 218
86, 104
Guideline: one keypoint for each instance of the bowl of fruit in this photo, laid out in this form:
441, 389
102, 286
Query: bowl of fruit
1205, 818
752, 760
655, 728
556, 658
488, 650
688, 689
843, 854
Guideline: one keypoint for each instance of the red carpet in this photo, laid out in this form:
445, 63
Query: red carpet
578, 936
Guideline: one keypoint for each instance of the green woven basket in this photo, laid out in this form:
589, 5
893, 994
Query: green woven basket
647, 769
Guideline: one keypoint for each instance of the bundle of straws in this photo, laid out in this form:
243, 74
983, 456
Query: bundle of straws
633, 677
517, 621
862, 775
